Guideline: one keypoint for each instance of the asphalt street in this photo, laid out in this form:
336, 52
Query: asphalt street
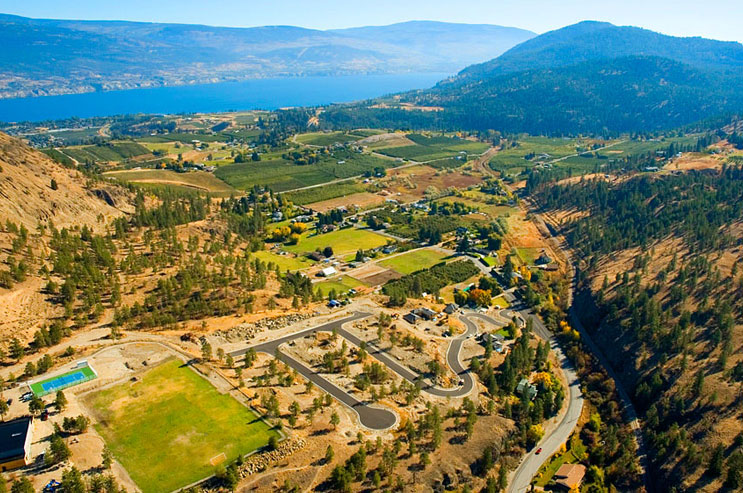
371, 416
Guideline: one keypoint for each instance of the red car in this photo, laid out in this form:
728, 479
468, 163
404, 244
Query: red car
539, 451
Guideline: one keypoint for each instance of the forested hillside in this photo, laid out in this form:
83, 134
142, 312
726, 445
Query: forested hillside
660, 287
592, 78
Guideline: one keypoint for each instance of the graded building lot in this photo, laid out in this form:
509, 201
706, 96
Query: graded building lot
167, 425
410, 184
343, 241
197, 180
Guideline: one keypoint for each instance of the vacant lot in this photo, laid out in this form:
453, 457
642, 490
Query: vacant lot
343, 241
198, 180
410, 262
410, 184
362, 200
165, 428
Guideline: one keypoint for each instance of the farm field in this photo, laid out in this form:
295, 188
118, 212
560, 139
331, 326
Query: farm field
283, 175
340, 285
199, 180
362, 200
179, 418
327, 138
343, 241
429, 148
284, 262
410, 184
413, 261
109, 152
319, 194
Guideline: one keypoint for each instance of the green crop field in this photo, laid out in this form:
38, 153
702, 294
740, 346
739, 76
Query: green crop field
283, 175
340, 285
186, 138
165, 428
112, 151
327, 139
413, 261
430, 148
318, 194
342, 240
284, 262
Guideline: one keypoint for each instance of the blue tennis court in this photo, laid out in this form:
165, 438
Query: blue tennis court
64, 381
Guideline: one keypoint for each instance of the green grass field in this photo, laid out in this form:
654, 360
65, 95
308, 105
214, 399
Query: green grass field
283, 261
341, 285
413, 261
165, 428
327, 139
343, 241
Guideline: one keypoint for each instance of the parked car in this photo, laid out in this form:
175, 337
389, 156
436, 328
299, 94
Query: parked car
539, 451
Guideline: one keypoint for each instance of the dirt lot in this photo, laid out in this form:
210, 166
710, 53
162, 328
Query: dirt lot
361, 200
410, 184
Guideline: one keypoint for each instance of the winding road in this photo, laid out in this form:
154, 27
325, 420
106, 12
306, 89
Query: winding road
371, 416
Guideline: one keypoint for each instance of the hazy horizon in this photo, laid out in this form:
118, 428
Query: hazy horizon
679, 18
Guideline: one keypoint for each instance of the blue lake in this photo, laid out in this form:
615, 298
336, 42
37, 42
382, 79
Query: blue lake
265, 94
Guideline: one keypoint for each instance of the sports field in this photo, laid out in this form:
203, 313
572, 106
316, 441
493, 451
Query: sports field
410, 262
165, 428
343, 241
53, 384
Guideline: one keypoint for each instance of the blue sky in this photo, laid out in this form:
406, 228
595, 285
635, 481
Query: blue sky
719, 19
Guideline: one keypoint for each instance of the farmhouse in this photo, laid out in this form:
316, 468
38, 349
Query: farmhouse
570, 476
15, 443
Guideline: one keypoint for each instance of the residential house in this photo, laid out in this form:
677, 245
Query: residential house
526, 389
570, 476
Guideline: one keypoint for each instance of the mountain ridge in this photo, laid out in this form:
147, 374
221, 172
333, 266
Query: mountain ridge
51, 56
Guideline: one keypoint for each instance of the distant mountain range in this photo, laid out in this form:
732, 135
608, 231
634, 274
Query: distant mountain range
42, 57
588, 77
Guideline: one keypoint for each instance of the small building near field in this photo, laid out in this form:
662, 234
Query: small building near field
570, 476
411, 318
328, 271
15, 443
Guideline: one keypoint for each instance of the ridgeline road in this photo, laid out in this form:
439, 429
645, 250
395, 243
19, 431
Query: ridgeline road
370, 416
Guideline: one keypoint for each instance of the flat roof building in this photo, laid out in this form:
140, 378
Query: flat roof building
15, 443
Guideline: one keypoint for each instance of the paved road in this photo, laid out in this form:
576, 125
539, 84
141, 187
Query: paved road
551, 443
370, 416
